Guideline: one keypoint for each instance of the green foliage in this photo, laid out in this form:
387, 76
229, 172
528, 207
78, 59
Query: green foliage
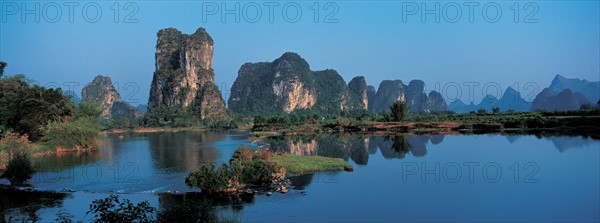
26, 109
399, 110
210, 179
80, 132
2, 66
247, 166
114, 210
481, 111
171, 117
496, 109
256, 172
19, 169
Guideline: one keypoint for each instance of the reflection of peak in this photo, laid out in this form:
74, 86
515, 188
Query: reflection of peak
565, 143
512, 138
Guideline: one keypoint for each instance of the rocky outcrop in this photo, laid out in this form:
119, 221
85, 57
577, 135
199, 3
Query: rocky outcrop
512, 101
288, 84
102, 91
358, 90
414, 94
387, 93
184, 76
371, 96
435, 102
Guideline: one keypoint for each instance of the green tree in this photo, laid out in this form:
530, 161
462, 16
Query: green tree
26, 109
2, 66
19, 169
399, 110
112, 209
209, 179
81, 131
496, 109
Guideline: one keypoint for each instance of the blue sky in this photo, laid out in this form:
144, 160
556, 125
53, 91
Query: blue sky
366, 38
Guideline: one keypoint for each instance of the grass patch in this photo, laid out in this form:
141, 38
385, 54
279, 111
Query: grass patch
305, 164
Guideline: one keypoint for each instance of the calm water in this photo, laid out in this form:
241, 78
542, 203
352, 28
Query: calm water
396, 178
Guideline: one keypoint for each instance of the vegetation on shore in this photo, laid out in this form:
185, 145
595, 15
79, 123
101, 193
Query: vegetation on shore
306, 164
35, 119
399, 122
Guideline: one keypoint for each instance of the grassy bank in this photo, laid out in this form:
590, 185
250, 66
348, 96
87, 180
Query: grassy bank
306, 164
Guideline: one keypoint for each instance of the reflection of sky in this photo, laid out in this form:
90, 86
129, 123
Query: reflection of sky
566, 188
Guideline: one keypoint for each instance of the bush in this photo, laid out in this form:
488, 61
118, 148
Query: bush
81, 133
399, 110
19, 169
258, 172
209, 179
112, 209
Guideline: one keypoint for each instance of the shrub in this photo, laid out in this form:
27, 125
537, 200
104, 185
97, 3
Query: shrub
209, 179
112, 209
399, 110
81, 133
19, 169
244, 154
13, 142
258, 172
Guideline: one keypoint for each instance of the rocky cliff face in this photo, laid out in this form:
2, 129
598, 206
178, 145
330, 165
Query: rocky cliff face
387, 93
288, 84
184, 76
102, 91
371, 96
358, 89
414, 93
435, 103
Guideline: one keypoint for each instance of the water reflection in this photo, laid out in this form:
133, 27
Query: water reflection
199, 207
358, 147
22, 206
183, 151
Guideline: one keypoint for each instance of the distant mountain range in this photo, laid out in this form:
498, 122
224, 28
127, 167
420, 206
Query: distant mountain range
184, 82
567, 94
288, 84
562, 94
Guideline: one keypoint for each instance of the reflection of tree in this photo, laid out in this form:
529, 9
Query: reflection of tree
22, 206
401, 145
301, 181
198, 207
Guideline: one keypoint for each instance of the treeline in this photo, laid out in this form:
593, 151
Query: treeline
38, 119
310, 121
175, 117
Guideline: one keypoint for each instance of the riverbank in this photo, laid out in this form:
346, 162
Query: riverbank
582, 122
